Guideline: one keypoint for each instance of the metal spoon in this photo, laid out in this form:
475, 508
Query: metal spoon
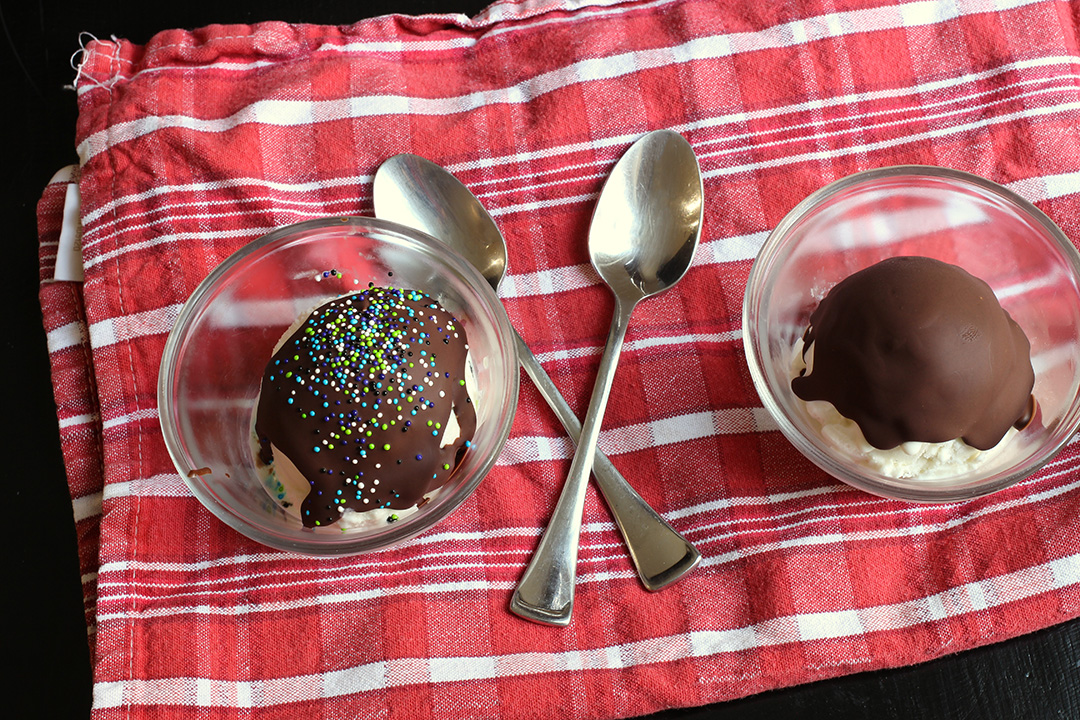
644, 232
420, 194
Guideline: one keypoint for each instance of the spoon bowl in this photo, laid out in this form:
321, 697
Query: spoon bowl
419, 194
642, 238
660, 174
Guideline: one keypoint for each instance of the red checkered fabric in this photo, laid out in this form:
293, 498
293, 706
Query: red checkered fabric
74, 386
199, 142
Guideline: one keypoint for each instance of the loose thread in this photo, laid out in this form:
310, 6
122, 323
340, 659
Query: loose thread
78, 59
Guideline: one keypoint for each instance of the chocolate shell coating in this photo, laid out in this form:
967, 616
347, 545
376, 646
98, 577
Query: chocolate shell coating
358, 398
915, 349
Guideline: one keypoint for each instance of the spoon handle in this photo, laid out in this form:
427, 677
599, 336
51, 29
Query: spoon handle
660, 554
545, 593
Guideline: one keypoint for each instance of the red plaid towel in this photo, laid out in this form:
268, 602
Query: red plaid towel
201, 141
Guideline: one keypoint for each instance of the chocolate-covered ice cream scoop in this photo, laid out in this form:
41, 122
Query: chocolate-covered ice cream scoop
359, 397
915, 349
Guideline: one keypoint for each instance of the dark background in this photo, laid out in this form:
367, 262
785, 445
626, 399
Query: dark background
1032, 677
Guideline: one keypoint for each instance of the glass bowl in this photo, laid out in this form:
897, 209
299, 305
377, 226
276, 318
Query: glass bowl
215, 355
945, 214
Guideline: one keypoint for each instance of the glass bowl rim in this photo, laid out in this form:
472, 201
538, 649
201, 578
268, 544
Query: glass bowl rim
331, 545
762, 265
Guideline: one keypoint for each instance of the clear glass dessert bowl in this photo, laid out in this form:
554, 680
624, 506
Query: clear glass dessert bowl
956, 217
212, 367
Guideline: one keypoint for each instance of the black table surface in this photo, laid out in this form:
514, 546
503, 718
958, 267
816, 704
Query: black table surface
1035, 676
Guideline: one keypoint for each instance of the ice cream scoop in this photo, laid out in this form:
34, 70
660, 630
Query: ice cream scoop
368, 399
914, 349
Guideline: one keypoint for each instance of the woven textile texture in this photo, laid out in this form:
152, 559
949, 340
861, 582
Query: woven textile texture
201, 141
